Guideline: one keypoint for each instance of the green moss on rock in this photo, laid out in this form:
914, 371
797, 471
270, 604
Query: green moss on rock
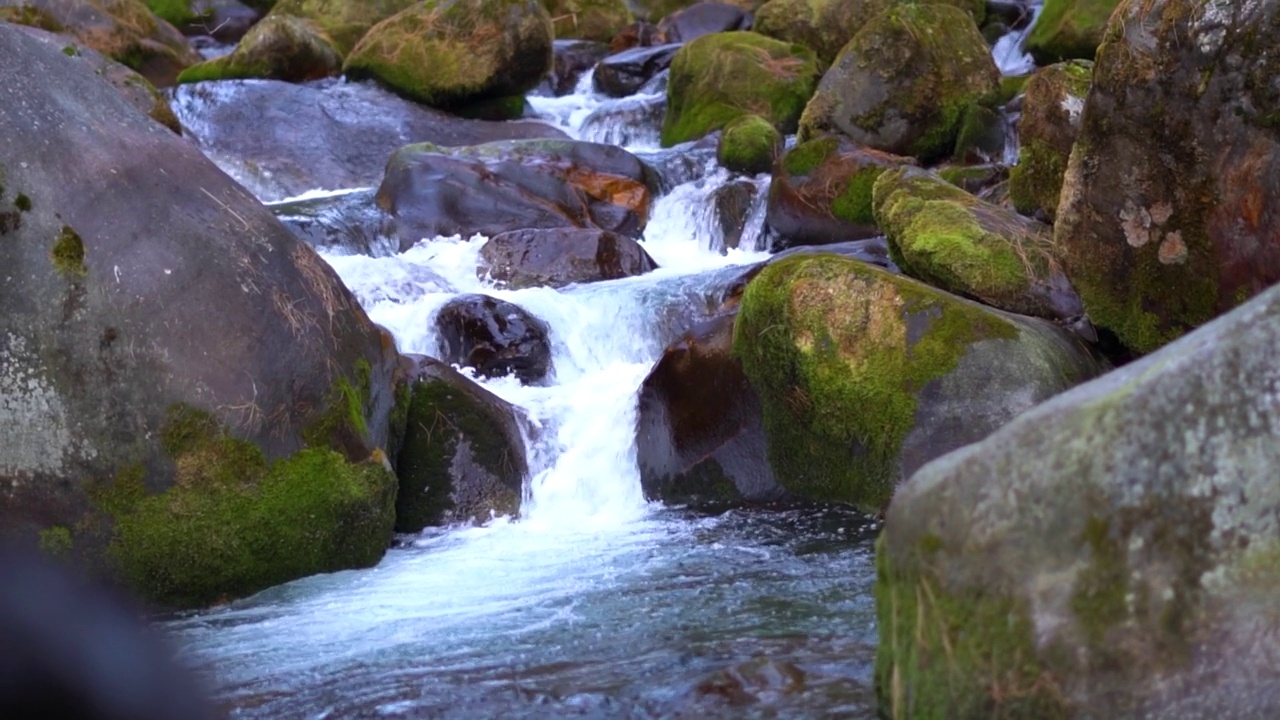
56, 542
1050, 123
234, 523
68, 253
838, 351
826, 25
176, 12
597, 20
1069, 29
749, 145
22, 202
720, 77
279, 47
343, 22
807, 156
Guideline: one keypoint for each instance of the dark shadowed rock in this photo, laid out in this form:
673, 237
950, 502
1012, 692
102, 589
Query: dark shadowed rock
626, 72
557, 257
181, 380
637, 34
495, 337
733, 203
463, 457
572, 58
497, 187
699, 430
701, 19
281, 140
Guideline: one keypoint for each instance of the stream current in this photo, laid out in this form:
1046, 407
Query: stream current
594, 603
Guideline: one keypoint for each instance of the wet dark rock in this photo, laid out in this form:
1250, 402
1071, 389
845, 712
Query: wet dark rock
514, 185
703, 18
280, 140
495, 337
351, 224
626, 72
463, 457
733, 203
557, 257
699, 430
572, 59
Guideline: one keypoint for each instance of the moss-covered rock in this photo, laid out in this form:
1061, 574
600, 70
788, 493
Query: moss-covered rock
343, 22
749, 145
1165, 218
821, 192
234, 523
826, 25
463, 457
280, 47
864, 376
1112, 551
905, 81
1047, 130
451, 53
948, 238
1068, 29
597, 20
123, 30
175, 12
723, 76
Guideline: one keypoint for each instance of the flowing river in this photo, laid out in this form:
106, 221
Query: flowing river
593, 603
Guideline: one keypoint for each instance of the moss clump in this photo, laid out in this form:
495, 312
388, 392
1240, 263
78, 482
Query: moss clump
177, 12
807, 156
71, 51
954, 655
1069, 29
721, 77
854, 203
22, 202
279, 47
55, 542
442, 415
68, 253
838, 351
455, 53
749, 145
234, 523
343, 425
1036, 181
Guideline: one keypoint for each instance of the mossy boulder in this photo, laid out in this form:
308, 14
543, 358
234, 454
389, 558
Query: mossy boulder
123, 30
453, 53
749, 145
700, 429
905, 81
865, 376
597, 20
721, 77
821, 192
948, 238
521, 184
1069, 29
137, 90
1112, 551
1047, 130
174, 12
280, 47
193, 393
343, 22
463, 457
826, 25
1166, 215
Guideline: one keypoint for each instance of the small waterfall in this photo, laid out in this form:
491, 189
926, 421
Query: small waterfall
1008, 52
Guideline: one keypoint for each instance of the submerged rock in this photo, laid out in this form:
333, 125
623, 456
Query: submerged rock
950, 239
556, 257
1168, 215
1047, 131
821, 192
905, 81
350, 224
495, 337
194, 403
281, 140
721, 77
463, 457
1113, 550
699, 429
497, 187
123, 30
865, 376
455, 53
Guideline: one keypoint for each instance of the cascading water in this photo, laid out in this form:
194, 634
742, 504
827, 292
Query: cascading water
593, 602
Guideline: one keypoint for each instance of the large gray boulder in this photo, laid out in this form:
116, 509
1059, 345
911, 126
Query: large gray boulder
1114, 552
190, 400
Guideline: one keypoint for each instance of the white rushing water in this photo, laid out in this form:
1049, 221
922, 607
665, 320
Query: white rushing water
1009, 53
